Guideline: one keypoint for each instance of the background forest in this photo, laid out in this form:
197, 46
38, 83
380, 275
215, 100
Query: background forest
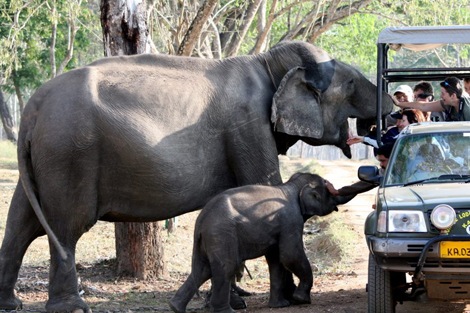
41, 39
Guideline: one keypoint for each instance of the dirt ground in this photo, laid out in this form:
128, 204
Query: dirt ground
341, 291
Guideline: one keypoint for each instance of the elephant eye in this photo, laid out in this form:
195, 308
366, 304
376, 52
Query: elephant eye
310, 86
313, 89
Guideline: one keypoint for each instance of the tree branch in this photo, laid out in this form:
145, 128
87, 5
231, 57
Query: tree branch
240, 35
190, 38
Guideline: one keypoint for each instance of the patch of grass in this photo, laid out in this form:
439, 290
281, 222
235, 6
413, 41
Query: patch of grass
331, 245
8, 158
289, 166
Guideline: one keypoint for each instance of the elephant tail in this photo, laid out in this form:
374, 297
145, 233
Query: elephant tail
25, 168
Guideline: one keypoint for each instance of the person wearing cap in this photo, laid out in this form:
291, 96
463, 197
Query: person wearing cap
423, 92
403, 93
403, 118
454, 101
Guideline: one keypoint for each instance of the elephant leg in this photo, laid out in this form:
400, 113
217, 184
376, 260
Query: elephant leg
221, 284
68, 227
63, 283
22, 227
288, 285
237, 278
295, 260
199, 274
277, 278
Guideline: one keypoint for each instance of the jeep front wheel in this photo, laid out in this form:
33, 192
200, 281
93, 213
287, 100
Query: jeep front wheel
379, 289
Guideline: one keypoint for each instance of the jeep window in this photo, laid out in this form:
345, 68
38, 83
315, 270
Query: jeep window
429, 158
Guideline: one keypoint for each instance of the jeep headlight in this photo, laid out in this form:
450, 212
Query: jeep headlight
406, 221
443, 216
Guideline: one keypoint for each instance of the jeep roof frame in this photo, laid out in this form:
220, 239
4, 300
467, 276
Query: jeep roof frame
417, 38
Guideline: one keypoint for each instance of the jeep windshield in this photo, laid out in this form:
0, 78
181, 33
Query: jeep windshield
430, 158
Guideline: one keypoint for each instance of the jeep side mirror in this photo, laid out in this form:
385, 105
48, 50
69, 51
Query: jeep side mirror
369, 173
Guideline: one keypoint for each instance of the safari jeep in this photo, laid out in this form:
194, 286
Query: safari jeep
421, 225
419, 234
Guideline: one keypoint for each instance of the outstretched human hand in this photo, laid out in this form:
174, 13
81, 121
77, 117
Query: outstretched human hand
354, 139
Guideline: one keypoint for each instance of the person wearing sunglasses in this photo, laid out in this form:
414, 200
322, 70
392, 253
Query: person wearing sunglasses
454, 102
423, 92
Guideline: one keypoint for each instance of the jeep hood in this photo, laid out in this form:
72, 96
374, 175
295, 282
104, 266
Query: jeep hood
454, 194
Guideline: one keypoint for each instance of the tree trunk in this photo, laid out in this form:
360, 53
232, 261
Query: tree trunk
265, 28
190, 39
7, 120
124, 28
19, 95
239, 36
139, 248
53, 39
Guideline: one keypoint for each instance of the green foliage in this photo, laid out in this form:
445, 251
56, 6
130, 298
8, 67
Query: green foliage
354, 41
438, 12
28, 39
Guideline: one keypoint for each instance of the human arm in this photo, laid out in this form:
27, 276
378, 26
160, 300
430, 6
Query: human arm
356, 188
434, 106
364, 139
351, 190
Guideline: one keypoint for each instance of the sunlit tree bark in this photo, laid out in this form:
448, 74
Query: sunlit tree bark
7, 120
194, 31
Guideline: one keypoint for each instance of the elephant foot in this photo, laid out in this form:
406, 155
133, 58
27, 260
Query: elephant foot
288, 291
11, 303
228, 310
280, 303
74, 305
301, 298
241, 292
236, 302
176, 307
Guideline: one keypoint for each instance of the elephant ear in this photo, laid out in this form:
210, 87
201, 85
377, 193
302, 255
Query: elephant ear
310, 201
296, 107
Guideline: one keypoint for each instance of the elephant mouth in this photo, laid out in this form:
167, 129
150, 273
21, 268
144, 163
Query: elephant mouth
346, 149
339, 140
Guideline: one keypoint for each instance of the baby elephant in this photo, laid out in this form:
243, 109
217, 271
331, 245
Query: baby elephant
251, 221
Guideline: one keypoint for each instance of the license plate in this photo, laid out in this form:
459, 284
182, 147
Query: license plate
455, 249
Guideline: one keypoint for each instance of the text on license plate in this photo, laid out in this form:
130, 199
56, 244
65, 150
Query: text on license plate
455, 249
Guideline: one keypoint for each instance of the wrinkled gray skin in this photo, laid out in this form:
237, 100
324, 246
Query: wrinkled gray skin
251, 221
145, 138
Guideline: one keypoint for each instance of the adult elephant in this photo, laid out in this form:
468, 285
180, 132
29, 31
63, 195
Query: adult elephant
148, 137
